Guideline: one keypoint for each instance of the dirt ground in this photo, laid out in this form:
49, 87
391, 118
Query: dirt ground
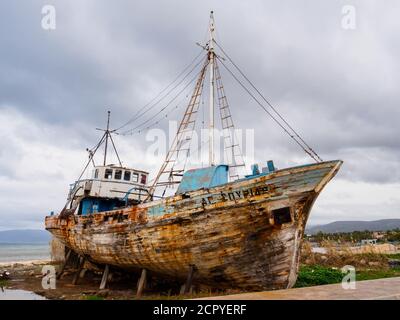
122, 286
28, 276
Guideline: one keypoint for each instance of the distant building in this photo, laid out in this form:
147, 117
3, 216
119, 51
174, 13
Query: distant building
365, 242
319, 250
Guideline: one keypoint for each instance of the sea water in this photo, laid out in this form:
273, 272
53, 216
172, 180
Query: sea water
10, 252
6, 294
15, 252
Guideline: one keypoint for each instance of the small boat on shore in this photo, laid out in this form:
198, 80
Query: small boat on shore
219, 228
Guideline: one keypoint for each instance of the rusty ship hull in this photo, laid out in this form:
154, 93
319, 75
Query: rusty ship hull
245, 234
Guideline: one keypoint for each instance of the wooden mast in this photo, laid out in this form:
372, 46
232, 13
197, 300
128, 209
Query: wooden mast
211, 58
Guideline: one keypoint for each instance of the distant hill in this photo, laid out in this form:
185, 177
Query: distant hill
25, 236
350, 226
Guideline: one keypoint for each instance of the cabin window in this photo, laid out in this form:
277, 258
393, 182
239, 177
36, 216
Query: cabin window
96, 173
143, 179
95, 207
127, 175
118, 174
108, 174
282, 216
135, 177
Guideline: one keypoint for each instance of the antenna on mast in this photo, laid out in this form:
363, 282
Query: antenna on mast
106, 136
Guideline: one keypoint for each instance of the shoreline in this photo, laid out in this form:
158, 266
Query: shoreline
24, 253
33, 262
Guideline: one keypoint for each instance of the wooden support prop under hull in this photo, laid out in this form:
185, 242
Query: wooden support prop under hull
78, 272
189, 279
105, 277
60, 273
82, 274
142, 282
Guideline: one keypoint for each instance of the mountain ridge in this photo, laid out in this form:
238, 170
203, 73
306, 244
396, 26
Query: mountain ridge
356, 225
26, 236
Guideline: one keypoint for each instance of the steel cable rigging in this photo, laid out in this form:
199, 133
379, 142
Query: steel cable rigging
153, 102
271, 111
140, 127
288, 129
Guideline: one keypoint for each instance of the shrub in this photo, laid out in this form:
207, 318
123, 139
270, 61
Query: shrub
317, 275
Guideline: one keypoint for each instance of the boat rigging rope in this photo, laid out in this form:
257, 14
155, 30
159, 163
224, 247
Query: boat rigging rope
288, 129
151, 125
152, 104
137, 128
92, 152
269, 113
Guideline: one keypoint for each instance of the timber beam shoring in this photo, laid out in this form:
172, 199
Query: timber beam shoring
60, 273
83, 273
141, 284
104, 279
189, 279
78, 272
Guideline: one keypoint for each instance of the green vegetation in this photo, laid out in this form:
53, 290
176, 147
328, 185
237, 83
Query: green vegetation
393, 235
319, 275
393, 256
92, 297
3, 283
357, 236
377, 274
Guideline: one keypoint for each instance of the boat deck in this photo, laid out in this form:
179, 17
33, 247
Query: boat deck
380, 289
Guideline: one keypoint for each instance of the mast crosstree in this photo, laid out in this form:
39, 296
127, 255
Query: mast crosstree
108, 135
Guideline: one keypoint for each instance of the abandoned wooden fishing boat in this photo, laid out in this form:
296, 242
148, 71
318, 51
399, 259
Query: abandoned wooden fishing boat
221, 228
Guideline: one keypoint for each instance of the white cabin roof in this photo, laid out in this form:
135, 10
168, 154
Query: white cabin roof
112, 181
113, 166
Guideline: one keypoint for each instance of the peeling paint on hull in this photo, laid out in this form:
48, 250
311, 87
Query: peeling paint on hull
232, 234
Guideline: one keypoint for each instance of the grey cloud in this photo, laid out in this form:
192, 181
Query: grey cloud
337, 87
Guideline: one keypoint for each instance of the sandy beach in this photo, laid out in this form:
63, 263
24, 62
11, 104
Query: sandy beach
23, 263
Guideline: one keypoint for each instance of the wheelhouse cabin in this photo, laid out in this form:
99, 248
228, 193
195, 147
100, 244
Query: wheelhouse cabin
109, 188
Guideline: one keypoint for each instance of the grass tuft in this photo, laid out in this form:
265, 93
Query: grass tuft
3, 283
92, 297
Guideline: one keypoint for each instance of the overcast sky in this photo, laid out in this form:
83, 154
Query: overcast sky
337, 86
